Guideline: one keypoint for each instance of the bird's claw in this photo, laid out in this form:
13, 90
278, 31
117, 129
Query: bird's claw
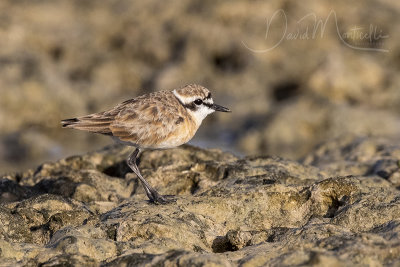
159, 199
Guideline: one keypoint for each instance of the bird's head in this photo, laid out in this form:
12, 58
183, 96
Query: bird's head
198, 101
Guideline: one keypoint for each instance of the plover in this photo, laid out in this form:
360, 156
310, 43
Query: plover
159, 120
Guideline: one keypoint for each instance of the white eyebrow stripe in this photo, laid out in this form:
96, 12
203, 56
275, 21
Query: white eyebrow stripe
208, 101
190, 99
184, 100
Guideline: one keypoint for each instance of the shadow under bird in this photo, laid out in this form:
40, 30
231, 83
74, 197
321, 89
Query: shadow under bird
160, 120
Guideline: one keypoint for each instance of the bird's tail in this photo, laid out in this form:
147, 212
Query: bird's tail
94, 123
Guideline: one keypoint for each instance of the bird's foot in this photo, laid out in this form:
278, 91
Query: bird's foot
156, 198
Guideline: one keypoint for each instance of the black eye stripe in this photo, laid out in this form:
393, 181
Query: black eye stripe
191, 106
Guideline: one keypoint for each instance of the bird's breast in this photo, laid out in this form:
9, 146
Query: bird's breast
182, 134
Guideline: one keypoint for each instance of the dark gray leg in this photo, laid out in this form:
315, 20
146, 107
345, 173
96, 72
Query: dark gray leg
152, 194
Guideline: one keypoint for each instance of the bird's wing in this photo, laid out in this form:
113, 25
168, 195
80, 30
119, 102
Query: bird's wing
95, 123
147, 121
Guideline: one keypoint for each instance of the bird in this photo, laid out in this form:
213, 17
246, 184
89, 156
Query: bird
158, 120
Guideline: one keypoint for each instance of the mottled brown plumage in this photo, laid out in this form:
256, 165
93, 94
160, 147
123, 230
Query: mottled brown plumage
163, 119
149, 121
193, 90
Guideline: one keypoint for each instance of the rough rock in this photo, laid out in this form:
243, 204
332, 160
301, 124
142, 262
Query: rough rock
339, 207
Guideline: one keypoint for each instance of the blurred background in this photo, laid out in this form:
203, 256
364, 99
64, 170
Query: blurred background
294, 73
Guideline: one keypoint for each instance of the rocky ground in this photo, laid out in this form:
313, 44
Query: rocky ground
339, 207
60, 59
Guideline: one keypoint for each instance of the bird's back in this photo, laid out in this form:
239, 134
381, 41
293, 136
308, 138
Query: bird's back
156, 120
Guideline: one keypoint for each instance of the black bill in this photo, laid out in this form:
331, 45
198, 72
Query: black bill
220, 108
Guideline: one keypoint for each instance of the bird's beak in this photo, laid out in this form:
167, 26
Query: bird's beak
220, 108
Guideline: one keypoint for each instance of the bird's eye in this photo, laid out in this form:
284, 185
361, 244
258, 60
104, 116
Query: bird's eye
198, 101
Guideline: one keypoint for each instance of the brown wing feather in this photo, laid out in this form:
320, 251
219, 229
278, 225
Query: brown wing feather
95, 123
146, 121
149, 121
